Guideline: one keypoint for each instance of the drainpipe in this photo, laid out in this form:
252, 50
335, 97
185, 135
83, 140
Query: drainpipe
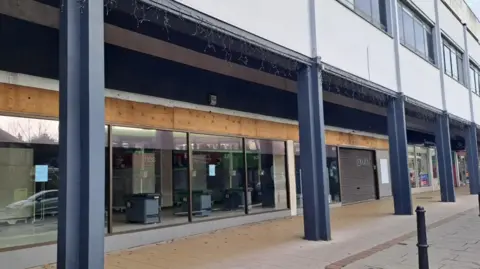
313, 30
466, 71
438, 53
396, 44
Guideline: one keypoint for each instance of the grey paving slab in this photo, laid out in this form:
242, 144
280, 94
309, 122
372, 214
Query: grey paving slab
455, 244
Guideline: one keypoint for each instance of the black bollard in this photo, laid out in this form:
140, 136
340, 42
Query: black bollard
422, 239
479, 204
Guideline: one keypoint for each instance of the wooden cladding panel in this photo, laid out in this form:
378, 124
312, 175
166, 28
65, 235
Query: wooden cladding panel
20, 100
131, 113
349, 139
28, 101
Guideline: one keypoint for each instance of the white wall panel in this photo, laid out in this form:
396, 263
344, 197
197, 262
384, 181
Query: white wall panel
284, 22
347, 41
473, 48
427, 7
451, 25
420, 79
476, 108
457, 98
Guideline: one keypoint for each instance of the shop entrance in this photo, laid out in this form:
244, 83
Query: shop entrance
357, 176
422, 165
462, 168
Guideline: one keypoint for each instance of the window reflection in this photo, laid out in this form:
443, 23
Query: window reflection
150, 178
420, 43
217, 176
374, 11
422, 166
333, 174
415, 33
266, 164
408, 28
453, 61
29, 181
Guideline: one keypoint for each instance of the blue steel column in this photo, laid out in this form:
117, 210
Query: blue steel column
315, 185
397, 132
471, 135
82, 136
472, 158
444, 152
398, 153
442, 132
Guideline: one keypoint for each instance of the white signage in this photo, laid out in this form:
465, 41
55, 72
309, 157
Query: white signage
384, 171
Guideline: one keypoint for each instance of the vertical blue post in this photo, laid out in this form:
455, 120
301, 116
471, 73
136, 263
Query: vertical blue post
471, 135
82, 136
398, 152
315, 185
444, 151
472, 158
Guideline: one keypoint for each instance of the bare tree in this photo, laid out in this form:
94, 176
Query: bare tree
33, 130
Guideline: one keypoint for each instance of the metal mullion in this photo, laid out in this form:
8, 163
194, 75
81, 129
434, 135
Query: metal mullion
110, 180
287, 174
245, 175
189, 178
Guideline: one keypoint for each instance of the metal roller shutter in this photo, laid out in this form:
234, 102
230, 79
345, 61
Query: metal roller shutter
357, 175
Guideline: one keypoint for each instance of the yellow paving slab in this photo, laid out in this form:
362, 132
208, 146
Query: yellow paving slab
240, 241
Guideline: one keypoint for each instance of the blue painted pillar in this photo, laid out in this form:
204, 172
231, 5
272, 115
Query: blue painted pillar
472, 158
316, 211
444, 152
398, 152
82, 136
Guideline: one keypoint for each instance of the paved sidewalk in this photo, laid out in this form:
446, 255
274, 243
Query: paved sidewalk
455, 244
278, 244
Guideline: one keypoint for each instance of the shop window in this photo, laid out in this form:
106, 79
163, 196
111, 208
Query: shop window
422, 166
150, 178
266, 168
218, 181
29, 181
333, 174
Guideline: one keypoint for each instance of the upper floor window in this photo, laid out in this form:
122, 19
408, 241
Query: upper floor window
474, 79
415, 34
453, 59
374, 11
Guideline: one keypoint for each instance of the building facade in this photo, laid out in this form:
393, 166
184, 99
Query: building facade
210, 115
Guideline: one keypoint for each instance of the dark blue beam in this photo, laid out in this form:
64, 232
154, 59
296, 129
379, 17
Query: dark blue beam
397, 139
82, 136
315, 185
472, 158
444, 152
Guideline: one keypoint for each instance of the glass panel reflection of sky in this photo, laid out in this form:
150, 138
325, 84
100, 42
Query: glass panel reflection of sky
26, 130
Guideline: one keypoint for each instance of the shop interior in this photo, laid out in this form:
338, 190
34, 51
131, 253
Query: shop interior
333, 174
149, 178
423, 168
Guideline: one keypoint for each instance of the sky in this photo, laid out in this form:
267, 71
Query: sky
475, 6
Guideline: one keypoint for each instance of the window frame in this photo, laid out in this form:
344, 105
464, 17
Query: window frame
456, 55
475, 88
427, 28
383, 14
